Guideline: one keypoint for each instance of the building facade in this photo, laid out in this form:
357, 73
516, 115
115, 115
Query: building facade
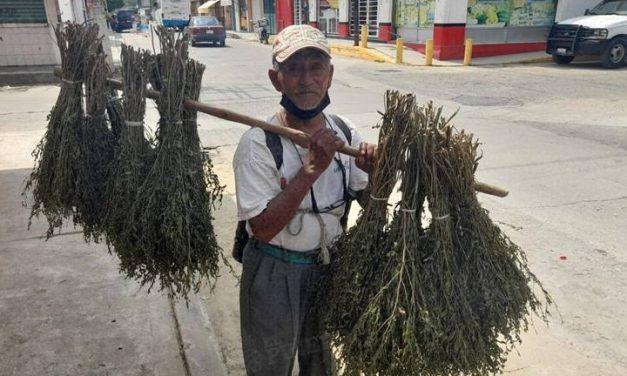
26, 32
496, 26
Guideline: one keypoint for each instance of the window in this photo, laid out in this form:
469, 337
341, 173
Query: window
22, 11
610, 7
205, 21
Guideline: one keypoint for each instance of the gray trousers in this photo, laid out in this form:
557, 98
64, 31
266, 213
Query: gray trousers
276, 321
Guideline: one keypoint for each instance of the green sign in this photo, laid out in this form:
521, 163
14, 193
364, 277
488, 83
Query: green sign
22, 11
532, 13
414, 13
501, 13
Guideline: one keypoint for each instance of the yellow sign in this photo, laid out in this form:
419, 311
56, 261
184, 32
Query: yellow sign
335, 4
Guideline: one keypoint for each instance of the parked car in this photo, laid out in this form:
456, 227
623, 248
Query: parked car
602, 32
206, 29
123, 19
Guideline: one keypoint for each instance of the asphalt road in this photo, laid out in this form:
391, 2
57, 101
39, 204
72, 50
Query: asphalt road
554, 136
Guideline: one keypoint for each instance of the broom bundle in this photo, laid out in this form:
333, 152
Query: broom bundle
98, 145
434, 288
133, 158
172, 210
59, 176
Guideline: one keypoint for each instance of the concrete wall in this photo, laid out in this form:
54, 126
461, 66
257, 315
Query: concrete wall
72, 10
573, 8
30, 44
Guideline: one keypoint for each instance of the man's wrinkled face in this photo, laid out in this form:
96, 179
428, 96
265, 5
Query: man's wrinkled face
305, 78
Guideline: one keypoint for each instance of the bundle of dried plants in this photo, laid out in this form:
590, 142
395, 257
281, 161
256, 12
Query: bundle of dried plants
173, 205
57, 178
133, 158
434, 287
98, 145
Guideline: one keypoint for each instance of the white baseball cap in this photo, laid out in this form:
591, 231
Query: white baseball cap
295, 38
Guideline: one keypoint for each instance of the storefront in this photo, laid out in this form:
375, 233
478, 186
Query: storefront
334, 17
495, 26
26, 34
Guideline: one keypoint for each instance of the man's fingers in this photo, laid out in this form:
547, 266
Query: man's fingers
366, 157
327, 140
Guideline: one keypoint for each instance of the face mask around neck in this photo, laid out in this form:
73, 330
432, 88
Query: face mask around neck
304, 114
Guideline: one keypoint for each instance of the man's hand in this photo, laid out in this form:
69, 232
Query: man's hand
367, 157
322, 147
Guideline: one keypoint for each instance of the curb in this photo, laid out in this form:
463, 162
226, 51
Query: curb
361, 53
198, 343
19, 76
534, 61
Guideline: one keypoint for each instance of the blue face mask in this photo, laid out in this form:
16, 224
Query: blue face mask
304, 114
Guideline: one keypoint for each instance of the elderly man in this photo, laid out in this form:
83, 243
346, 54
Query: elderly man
293, 200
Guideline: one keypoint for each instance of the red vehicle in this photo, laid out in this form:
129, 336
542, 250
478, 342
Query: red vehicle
206, 29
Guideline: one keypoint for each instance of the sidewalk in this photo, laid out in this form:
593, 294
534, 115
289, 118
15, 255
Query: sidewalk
386, 52
65, 308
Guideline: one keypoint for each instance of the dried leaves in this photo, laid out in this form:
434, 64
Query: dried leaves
60, 179
434, 287
133, 158
152, 201
173, 204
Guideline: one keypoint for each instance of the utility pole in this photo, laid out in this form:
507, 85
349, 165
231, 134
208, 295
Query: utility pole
355, 22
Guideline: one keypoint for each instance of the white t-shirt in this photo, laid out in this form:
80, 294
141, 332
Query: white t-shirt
257, 182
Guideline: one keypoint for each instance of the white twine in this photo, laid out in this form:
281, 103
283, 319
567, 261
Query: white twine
325, 256
407, 210
378, 198
441, 217
134, 123
65, 80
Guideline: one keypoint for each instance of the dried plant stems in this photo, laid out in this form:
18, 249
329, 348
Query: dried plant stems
367, 243
98, 143
172, 208
133, 158
435, 288
58, 173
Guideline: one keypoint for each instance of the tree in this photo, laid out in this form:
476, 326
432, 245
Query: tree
114, 4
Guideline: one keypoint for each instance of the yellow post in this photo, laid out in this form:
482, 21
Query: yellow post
399, 50
364, 36
429, 52
468, 51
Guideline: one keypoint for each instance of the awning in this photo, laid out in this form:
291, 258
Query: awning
208, 5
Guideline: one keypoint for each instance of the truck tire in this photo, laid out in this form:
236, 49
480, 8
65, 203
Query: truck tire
614, 54
562, 60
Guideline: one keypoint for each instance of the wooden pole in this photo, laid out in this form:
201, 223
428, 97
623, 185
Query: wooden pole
301, 138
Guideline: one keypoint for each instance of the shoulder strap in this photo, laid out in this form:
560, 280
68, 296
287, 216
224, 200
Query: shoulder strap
273, 141
345, 129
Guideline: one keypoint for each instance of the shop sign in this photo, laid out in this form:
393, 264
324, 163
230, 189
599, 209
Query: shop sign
501, 13
414, 13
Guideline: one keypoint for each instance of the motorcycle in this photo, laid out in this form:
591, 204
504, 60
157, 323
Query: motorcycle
262, 30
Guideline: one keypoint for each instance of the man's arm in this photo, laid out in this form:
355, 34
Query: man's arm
281, 209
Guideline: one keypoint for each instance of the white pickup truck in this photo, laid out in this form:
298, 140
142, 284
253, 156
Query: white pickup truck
602, 31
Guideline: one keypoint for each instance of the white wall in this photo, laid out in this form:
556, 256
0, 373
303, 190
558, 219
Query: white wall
72, 10
257, 6
573, 8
